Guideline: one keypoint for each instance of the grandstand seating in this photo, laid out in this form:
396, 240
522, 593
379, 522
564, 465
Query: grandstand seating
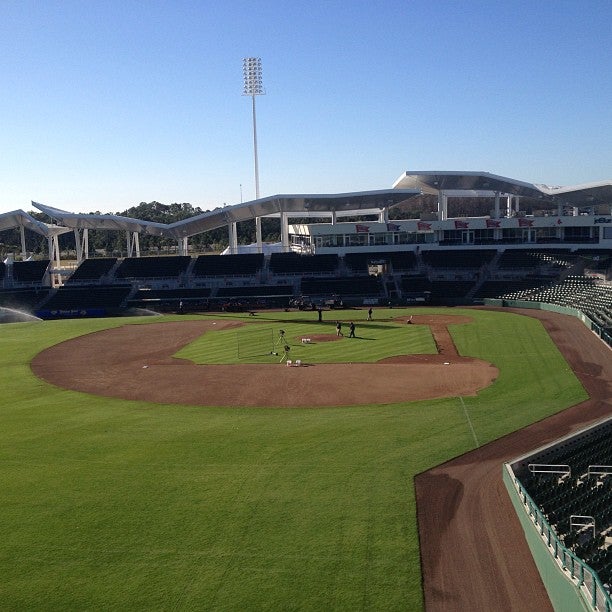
152, 267
578, 492
365, 286
294, 263
450, 292
401, 261
500, 288
535, 258
448, 277
30, 271
580, 292
243, 264
107, 298
23, 299
92, 269
414, 283
255, 291
467, 258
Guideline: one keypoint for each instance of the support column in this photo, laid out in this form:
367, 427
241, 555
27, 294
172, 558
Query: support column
284, 231
496, 213
333, 217
54, 258
508, 205
183, 246
24, 253
85, 247
233, 237
82, 244
258, 239
77, 245
133, 244
442, 206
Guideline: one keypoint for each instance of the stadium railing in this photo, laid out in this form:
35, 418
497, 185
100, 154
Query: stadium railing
585, 579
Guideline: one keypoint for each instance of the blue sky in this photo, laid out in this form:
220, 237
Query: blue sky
106, 104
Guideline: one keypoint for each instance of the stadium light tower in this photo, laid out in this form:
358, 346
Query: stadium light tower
253, 86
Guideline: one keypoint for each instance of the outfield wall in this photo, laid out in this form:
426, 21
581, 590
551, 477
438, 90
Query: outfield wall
571, 584
574, 312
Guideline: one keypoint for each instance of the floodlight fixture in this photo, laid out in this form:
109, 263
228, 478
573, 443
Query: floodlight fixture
253, 86
251, 72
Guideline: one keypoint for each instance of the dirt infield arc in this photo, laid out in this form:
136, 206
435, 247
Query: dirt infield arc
135, 362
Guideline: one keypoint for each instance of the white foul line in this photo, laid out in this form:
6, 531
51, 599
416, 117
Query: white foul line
467, 416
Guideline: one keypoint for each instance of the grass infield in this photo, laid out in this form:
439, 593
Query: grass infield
110, 504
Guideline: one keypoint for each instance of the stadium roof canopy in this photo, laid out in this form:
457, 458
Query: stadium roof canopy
20, 219
484, 183
97, 221
582, 195
433, 182
310, 205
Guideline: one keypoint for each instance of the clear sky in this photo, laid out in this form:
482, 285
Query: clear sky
105, 104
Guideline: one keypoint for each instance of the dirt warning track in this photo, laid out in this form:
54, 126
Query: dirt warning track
473, 551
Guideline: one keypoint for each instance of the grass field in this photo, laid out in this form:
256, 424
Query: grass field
110, 504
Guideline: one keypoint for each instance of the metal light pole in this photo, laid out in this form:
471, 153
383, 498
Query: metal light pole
253, 86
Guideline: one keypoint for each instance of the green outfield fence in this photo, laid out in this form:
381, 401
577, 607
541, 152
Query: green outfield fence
574, 312
571, 584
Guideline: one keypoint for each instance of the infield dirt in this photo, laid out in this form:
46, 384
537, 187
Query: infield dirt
135, 362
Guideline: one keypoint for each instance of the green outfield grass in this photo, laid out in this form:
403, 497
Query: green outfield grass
118, 505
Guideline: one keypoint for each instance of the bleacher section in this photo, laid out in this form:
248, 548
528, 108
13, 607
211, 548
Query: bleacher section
153, 267
168, 300
293, 263
532, 259
255, 291
89, 300
450, 292
400, 261
92, 270
564, 482
597, 261
244, 264
581, 292
464, 259
500, 288
448, 276
362, 286
23, 299
30, 271
414, 284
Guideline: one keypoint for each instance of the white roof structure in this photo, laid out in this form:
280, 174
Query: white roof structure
582, 195
485, 183
20, 219
407, 186
343, 204
95, 221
